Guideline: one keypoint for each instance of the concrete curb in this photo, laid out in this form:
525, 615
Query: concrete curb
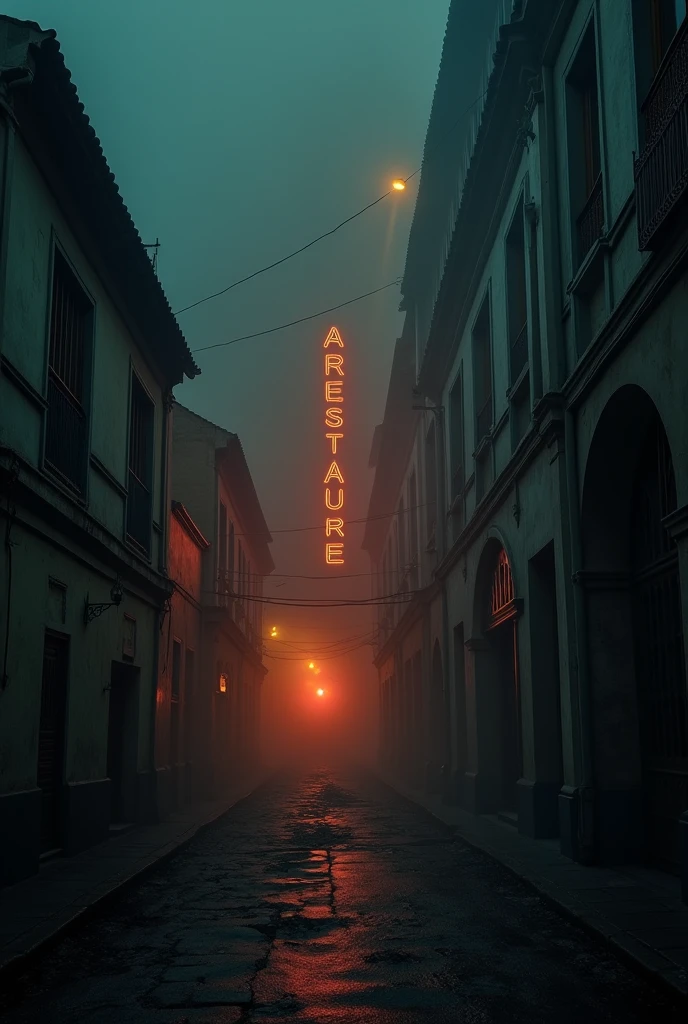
19, 963
626, 947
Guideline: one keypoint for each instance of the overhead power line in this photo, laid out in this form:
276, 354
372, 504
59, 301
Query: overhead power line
301, 320
337, 227
347, 522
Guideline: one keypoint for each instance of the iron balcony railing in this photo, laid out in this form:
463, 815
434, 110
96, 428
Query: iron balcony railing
661, 171
66, 434
519, 352
139, 512
590, 221
484, 423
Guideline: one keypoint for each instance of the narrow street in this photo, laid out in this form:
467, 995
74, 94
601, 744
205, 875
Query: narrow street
325, 897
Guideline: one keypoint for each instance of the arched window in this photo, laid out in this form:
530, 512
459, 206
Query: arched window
501, 604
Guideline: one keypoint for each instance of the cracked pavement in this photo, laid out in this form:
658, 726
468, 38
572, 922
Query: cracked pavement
325, 897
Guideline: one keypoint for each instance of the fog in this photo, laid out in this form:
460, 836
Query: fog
237, 131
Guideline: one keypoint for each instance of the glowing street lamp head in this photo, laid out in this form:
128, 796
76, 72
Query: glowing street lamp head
273, 631
399, 184
320, 692
311, 664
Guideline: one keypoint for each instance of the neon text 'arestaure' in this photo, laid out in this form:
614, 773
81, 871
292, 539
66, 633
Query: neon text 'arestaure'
334, 420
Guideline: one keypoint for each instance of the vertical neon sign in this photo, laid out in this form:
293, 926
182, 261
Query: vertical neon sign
334, 420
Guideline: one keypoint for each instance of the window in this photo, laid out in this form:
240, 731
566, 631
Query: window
456, 442
482, 363
517, 300
666, 17
140, 499
660, 30
584, 147
71, 329
430, 482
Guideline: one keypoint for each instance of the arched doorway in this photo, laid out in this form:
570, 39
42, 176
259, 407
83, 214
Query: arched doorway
500, 629
498, 715
635, 635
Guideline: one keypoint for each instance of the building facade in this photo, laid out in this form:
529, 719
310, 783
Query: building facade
212, 479
89, 353
180, 747
538, 668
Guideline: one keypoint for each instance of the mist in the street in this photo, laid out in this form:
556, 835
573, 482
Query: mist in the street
343, 511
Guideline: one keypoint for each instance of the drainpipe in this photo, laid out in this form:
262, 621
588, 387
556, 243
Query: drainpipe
569, 490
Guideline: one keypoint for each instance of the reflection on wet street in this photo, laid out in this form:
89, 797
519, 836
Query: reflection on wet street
324, 897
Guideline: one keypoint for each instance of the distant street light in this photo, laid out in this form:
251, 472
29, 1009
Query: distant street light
273, 631
399, 184
311, 664
320, 693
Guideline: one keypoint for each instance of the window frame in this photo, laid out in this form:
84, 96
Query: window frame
78, 490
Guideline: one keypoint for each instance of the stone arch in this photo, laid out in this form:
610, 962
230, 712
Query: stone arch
493, 665
636, 660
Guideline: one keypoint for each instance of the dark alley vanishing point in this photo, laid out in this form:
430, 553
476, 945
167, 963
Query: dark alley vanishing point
326, 897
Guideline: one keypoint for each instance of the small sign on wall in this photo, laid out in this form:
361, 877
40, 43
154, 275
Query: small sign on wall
129, 637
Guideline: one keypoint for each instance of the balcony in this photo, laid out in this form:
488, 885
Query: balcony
590, 221
66, 435
139, 513
661, 171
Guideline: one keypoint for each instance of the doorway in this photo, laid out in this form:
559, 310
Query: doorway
51, 737
122, 746
503, 640
498, 703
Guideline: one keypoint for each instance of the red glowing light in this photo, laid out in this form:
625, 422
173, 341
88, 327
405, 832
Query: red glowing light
320, 692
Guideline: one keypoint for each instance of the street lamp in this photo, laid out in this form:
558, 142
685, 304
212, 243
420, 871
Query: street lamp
273, 632
399, 184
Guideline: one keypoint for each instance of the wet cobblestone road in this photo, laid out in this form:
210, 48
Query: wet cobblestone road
326, 898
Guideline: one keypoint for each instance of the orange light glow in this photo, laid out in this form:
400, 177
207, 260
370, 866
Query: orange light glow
273, 631
332, 553
333, 418
311, 664
333, 438
333, 361
399, 184
334, 526
334, 473
333, 338
223, 683
320, 692
340, 499
333, 391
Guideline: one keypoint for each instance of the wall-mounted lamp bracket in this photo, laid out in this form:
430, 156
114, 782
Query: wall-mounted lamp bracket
94, 611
